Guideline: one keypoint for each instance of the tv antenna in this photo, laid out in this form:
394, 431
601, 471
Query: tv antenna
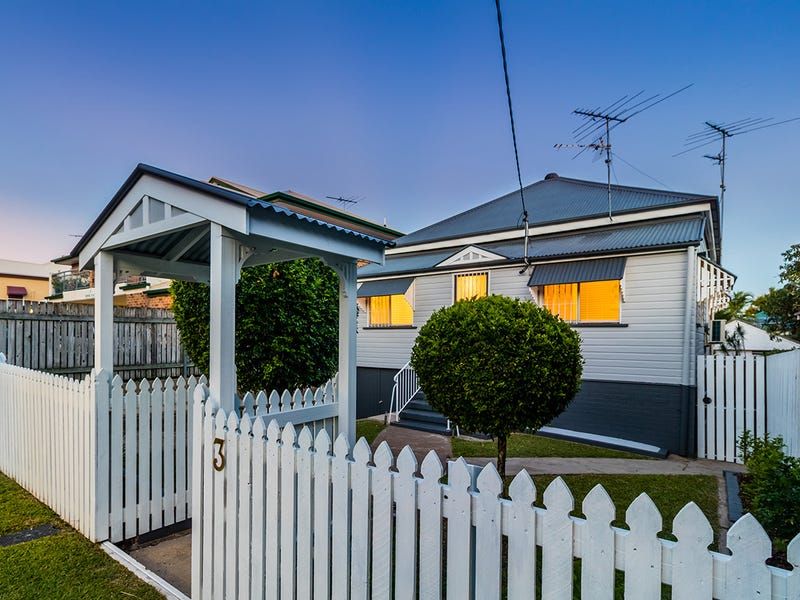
345, 202
713, 132
594, 133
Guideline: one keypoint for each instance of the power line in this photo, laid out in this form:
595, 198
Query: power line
638, 170
513, 126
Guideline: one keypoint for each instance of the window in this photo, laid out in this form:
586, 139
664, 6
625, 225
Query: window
471, 285
585, 302
390, 311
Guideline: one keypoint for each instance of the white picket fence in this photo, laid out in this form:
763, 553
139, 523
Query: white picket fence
276, 515
114, 459
47, 440
112, 462
749, 392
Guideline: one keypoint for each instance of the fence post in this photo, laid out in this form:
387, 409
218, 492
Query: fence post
100, 483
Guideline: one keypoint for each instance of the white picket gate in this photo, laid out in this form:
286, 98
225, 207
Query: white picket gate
749, 392
277, 515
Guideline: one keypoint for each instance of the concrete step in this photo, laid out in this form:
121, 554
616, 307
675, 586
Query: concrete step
428, 416
422, 426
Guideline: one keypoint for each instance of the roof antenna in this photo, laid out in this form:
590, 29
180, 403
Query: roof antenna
513, 129
345, 202
711, 132
594, 133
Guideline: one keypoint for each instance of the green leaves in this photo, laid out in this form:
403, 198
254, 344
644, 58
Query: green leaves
286, 324
497, 365
771, 488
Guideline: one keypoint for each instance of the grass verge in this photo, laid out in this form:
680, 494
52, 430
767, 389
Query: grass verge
65, 566
369, 428
523, 445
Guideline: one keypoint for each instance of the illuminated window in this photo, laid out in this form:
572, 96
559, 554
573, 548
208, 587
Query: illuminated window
562, 300
586, 302
390, 311
471, 285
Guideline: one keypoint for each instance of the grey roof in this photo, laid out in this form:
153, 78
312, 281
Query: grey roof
599, 269
385, 287
677, 232
553, 200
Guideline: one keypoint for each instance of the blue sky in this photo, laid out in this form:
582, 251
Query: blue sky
401, 103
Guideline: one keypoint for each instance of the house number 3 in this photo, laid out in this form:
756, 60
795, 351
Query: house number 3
219, 457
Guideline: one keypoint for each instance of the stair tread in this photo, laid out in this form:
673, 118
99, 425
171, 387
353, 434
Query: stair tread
423, 415
422, 426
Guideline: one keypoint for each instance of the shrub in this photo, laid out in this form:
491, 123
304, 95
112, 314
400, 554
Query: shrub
286, 324
498, 365
770, 489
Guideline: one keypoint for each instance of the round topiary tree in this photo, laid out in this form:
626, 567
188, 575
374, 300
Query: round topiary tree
287, 324
497, 365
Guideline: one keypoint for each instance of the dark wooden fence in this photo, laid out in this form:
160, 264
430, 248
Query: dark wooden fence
59, 338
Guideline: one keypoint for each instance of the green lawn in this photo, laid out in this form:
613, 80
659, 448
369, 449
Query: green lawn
65, 566
523, 445
669, 492
369, 428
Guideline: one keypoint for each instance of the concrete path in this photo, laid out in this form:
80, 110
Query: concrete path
421, 442
170, 558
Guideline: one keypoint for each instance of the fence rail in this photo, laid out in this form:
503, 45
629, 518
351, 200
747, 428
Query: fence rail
59, 338
278, 515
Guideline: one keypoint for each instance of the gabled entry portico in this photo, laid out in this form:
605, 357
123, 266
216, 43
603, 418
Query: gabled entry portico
166, 225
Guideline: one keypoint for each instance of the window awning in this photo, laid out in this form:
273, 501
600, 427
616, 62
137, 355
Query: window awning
601, 269
16, 291
385, 287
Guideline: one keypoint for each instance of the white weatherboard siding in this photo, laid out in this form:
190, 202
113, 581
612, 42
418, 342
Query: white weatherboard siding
648, 350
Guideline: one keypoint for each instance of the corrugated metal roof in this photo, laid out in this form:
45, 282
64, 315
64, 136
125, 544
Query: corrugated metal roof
385, 287
600, 269
549, 201
214, 190
300, 217
617, 238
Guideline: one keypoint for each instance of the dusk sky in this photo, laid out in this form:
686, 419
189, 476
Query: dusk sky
400, 103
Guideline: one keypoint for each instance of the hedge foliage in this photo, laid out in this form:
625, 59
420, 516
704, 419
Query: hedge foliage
286, 324
497, 365
771, 487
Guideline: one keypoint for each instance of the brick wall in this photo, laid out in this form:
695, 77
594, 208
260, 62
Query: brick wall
142, 300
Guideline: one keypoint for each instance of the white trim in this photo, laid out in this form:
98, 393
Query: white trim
211, 208
594, 437
512, 263
458, 257
146, 232
145, 265
143, 573
547, 229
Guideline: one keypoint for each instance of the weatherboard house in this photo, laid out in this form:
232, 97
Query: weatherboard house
639, 281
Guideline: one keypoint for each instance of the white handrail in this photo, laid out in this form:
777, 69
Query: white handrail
406, 386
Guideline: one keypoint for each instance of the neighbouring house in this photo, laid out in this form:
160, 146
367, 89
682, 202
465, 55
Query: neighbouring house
756, 339
640, 284
21, 280
76, 286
